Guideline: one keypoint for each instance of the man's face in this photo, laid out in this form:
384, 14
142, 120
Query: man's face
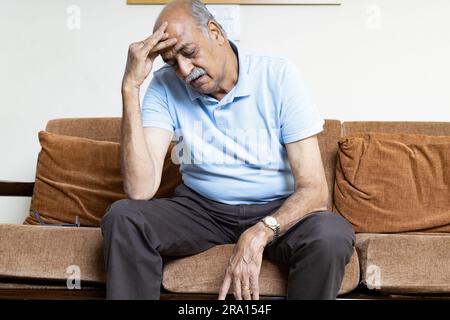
197, 59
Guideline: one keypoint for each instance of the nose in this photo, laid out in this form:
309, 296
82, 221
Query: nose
185, 66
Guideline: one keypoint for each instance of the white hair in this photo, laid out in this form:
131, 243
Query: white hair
202, 17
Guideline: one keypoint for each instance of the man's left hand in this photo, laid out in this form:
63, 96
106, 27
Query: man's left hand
245, 264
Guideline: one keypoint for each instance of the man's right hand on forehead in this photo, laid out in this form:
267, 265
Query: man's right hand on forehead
142, 54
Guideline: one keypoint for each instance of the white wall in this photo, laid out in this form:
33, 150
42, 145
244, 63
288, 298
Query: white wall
364, 60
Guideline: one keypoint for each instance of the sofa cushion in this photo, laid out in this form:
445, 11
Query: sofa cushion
49, 251
393, 182
100, 128
82, 177
405, 263
44, 252
75, 177
204, 273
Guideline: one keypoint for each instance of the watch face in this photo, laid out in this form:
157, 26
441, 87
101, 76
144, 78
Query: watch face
271, 221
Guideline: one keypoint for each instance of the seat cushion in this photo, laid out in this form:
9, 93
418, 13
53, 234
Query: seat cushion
204, 273
405, 263
44, 252
50, 251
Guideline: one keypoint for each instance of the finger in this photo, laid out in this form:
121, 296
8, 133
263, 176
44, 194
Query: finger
246, 288
237, 289
163, 26
162, 45
164, 36
154, 38
152, 42
254, 286
225, 287
160, 31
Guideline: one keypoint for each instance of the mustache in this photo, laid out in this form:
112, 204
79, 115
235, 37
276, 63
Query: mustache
196, 73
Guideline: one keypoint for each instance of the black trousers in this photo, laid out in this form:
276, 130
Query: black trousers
138, 233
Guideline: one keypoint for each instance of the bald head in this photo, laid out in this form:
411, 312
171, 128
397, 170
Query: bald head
202, 56
188, 13
174, 10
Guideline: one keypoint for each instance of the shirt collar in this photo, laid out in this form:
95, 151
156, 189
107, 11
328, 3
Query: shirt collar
241, 89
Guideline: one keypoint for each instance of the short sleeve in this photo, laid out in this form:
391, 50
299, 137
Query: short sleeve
155, 110
299, 118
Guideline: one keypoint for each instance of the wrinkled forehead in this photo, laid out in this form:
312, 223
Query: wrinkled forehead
176, 29
185, 49
186, 35
177, 25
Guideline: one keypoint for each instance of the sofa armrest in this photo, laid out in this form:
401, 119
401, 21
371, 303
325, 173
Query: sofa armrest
16, 189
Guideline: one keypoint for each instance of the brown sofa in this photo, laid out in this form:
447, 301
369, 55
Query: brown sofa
34, 260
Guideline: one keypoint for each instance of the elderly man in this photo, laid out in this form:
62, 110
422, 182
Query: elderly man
250, 162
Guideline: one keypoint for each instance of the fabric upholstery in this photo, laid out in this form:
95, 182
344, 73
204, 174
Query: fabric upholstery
45, 252
388, 182
108, 129
430, 128
33, 284
328, 148
82, 177
51, 250
433, 128
204, 272
405, 263
103, 129
75, 177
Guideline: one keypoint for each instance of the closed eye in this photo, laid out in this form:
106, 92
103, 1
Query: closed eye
190, 54
187, 51
190, 51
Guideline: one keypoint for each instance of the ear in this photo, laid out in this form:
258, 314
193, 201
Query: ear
215, 33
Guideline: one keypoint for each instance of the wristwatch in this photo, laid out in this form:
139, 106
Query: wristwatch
272, 223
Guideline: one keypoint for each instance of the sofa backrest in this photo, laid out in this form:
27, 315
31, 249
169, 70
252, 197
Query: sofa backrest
328, 139
108, 129
412, 127
103, 129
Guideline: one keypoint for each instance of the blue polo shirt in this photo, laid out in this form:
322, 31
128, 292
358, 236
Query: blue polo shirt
233, 150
